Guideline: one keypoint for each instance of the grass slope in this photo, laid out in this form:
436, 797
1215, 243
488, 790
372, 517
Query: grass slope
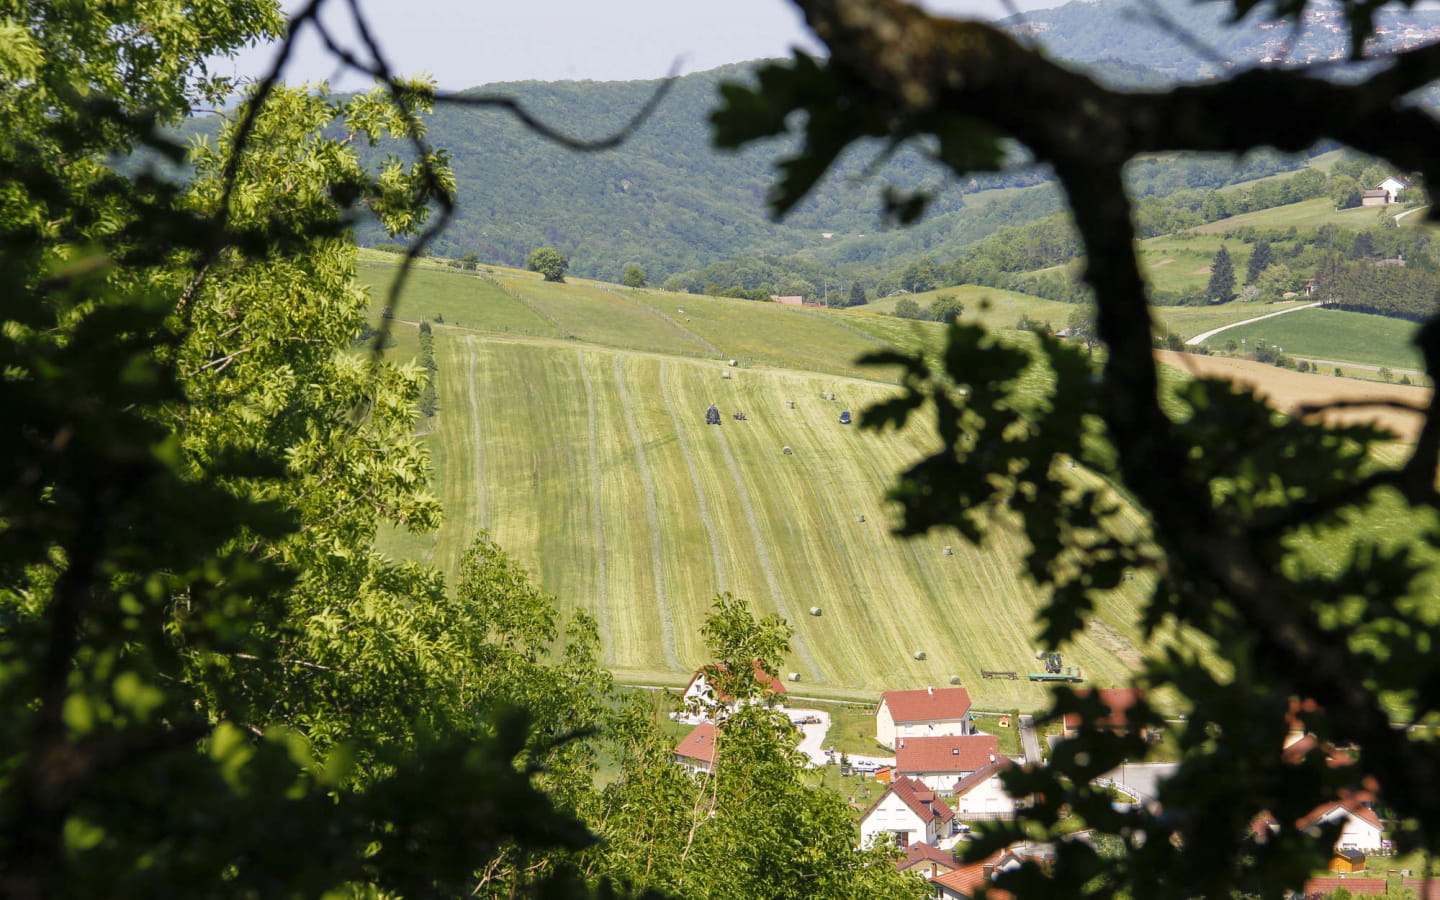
591, 463
1330, 334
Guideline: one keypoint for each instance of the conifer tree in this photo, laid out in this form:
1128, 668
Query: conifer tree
1222, 277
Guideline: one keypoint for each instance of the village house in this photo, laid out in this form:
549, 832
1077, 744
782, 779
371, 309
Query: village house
980, 795
939, 762
927, 861
696, 750
964, 882
927, 713
908, 812
1118, 700
1376, 197
1392, 185
1360, 828
703, 697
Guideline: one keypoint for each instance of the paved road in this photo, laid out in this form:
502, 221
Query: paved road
1028, 741
1142, 778
1200, 338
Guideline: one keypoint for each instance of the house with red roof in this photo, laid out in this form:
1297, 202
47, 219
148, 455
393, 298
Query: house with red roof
908, 812
926, 860
980, 795
939, 762
696, 750
964, 882
1360, 827
701, 695
927, 713
1119, 700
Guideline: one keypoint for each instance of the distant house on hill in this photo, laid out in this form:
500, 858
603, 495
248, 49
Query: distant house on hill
1392, 186
939, 762
927, 713
702, 696
906, 813
696, 750
788, 299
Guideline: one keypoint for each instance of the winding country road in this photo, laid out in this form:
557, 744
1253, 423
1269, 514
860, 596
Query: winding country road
1207, 335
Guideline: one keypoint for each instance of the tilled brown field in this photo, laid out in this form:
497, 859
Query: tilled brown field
1287, 391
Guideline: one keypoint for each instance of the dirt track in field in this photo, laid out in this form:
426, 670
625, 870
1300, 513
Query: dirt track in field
1287, 390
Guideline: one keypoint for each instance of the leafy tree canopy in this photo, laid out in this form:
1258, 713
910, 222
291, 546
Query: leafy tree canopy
548, 262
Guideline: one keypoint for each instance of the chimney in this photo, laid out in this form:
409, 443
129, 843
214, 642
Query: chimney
954, 751
992, 757
931, 689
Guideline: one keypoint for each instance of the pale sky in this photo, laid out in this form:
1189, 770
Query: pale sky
466, 43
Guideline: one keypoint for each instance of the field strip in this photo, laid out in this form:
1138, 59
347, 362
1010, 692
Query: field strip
1205, 336
602, 582
528, 304
482, 507
762, 556
660, 315
721, 582
652, 515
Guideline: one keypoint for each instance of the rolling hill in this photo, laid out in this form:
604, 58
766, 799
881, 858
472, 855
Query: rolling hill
572, 429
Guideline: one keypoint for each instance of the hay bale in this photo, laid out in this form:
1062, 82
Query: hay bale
790, 404
814, 610
919, 654
787, 451
733, 363
949, 550
725, 374
859, 518
954, 679
794, 676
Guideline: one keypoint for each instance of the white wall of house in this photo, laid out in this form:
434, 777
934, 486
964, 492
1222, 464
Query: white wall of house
1393, 186
936, 781
893, 815
885, 726
986, 798
1357, 834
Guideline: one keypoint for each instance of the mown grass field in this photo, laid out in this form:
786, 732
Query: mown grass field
1328, 334
590, 462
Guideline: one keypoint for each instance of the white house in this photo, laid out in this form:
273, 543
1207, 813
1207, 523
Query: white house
1392, 186
696, 750
939, 762
702, 696
1360, 828
927, 713
980, 795
908, 812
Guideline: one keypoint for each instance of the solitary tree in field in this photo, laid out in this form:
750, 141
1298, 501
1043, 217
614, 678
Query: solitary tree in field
1221, 287
548, 262
634, 277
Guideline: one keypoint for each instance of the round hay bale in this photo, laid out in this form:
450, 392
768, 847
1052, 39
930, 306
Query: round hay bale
733, 363
787, 451
789, 404
859, 518
949, 551
725, 374
794, 676
919, 654
814, 610
954, 679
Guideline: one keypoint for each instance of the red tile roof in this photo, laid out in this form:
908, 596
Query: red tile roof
929, 705
967, 879
946, 754
921, 800
1118, 699
764, 678
1360, 887
921, 852
699, 744
1363, 813
980, 775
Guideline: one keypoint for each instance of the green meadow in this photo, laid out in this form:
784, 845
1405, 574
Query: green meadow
1335, 335
583, 451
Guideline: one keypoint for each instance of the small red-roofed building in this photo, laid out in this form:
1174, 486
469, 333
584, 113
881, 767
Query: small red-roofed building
1357, 887
927, 713
926, 860
908, 812
1119, 700
939, 762
702, 696
980, 795
696, 750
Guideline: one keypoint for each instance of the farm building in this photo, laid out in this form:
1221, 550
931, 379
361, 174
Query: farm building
1392, 185
696, 750
1119, 701
1376, 197
939, 762
927, 713
906, 813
